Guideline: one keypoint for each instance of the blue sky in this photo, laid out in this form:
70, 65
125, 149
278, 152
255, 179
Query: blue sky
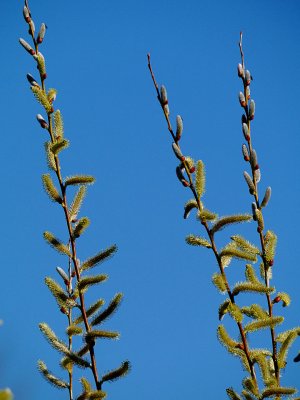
96, 59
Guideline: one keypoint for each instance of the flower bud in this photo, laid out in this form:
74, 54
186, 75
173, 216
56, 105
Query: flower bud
266, 198
179, 127
42, 122
246, 132
247, 78
244, 119
250, 183
253, 159
31, 29
62, 273
251, 110
245, 152
163, 95
248, 95
177, 152
254, 209
241, 72
257, 174
27, 46
41, 33
242, 99
32, 81
26, 14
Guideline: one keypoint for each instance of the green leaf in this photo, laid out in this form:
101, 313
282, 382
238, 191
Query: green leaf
57, 244
58, 383
109, 311
268, 322
79, 180
51, 189
197, 241
98, 258
117, 373
200, 178
229, 220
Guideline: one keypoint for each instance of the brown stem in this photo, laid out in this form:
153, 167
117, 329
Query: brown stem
210, 235
261, 235
71, 238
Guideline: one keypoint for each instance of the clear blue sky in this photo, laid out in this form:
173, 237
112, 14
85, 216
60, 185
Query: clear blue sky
96, 59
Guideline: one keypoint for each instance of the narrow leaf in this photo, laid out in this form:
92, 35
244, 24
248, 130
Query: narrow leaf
232, 394
96, 334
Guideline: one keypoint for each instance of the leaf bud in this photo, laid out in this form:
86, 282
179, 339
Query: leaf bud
41, 33
245, 152
247, 77
32, 81
251, 110
27, 46
42, 122
246, 131
179, 127
241, 72
177, 152
26, 14
242, 99
266, 198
